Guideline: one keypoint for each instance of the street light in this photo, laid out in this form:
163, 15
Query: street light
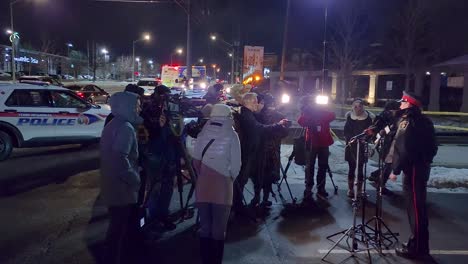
104, 51
231, 53
200, 60
146, 37
9, 31
177, 51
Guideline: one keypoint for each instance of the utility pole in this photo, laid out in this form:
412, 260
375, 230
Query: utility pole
324, 63
189, 41
285, 41
94, 61
13, 46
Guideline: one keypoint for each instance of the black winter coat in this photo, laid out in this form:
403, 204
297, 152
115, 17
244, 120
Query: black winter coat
415, 141
270, 149
251, 134
352, 128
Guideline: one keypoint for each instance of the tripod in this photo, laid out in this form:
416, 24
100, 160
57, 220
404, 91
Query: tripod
284, 179
382, 239
356, 233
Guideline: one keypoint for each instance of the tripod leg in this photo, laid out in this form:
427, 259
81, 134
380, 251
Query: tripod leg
346, 233
331, 178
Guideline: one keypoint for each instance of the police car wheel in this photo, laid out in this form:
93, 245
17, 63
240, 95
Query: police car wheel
6, 145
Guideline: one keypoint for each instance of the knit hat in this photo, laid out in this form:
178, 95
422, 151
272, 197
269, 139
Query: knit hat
132, 88
410, 98
221, 110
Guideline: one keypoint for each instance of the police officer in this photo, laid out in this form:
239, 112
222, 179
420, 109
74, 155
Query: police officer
414, 147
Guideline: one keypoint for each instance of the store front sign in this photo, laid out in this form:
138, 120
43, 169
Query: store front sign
27, 59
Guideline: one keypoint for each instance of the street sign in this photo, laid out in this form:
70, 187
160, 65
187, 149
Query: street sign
14, 36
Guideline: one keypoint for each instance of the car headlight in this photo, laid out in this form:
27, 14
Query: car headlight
148, 92
203, 85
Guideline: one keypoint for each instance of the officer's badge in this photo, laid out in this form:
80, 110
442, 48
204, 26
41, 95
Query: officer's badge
403, 124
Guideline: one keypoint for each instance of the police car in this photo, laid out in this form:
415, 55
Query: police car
33, 115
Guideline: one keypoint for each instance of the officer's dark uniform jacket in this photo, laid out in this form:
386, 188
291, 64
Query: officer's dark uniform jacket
414, 148
415, 141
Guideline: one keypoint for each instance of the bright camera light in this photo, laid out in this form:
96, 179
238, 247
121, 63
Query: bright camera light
321, 99
285, 99
228, 90
203, 85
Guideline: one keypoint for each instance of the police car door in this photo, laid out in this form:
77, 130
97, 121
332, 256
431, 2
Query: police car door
30, 110
71, 112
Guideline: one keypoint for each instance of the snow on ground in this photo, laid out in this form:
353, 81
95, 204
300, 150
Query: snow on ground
443, 178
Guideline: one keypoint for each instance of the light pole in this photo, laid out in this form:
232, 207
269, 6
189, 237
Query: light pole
177, 51
214, 71
137, 59
285, 41
213, 37
13, 41
105, 52
69, 46
146, 37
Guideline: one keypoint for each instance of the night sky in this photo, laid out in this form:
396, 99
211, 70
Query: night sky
257, 22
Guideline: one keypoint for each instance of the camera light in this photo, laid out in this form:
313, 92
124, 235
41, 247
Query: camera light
203, 85
285, 99
228, 90
321, 99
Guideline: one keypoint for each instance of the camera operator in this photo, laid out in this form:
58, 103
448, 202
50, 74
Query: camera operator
414, 148
384, 127
357, 120
251, 132
163, 157
270, 157
214, 94
316, 119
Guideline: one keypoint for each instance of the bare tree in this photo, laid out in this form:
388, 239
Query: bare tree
124, 67
347, 43
411, 38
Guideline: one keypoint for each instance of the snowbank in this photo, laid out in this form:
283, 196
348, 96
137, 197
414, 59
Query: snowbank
442, 179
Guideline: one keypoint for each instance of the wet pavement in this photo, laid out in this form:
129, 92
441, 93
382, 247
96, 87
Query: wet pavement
59, 219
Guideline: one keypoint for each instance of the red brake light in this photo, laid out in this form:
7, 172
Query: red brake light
80, 94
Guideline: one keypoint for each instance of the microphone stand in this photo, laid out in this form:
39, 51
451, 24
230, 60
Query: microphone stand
381, 238
355, 230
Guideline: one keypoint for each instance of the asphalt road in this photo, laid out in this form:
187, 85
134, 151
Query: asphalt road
52, 214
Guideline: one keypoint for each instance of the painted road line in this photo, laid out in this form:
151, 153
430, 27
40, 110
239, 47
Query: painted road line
373, 251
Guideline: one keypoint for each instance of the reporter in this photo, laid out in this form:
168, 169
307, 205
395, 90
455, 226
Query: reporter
357, 120
270, 149
217, 160
251, 132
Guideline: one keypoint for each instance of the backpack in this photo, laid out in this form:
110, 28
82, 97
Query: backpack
299, 149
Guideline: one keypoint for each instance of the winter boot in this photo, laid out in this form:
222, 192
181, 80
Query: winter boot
218, 251
256, 200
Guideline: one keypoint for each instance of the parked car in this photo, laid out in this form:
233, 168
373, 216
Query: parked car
90, 93
5, 76
148, 84
33, 116
40, 79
